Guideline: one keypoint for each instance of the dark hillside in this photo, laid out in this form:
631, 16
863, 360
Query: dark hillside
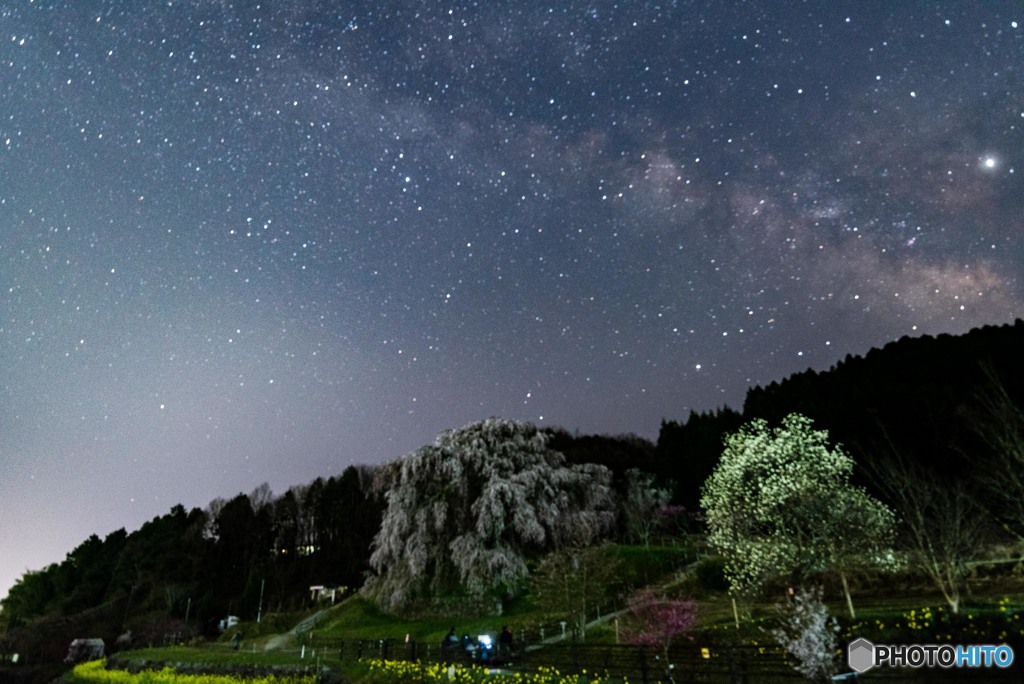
911, 396
916, 398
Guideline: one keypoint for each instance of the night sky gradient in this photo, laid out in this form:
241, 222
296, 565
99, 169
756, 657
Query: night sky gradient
245, 242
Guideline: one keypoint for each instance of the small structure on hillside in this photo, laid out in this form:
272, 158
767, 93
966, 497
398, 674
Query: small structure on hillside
320, 592
227, 623
124, 642
85, 649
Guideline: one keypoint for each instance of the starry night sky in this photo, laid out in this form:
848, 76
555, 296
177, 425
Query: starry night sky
245, 242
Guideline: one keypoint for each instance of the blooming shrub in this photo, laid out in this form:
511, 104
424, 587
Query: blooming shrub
808, 632
658, 621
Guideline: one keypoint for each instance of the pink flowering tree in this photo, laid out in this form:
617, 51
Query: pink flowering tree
658, 622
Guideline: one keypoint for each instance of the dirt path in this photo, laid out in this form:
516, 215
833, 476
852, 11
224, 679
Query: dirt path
289, 638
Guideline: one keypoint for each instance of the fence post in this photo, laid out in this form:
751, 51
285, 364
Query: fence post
643, 665
731, 655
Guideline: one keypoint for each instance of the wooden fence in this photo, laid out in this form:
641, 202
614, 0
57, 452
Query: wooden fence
689, 663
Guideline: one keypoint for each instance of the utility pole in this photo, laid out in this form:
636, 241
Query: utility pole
127, 607
259, 611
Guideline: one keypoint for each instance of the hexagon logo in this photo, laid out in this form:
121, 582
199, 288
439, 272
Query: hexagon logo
861, 655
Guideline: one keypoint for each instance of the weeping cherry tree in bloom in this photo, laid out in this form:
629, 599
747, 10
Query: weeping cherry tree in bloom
780, 503
464, 513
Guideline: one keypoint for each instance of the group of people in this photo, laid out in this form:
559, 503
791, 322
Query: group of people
481, 649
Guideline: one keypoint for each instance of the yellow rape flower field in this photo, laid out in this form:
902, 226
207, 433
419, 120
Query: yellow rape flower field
386, 671
95, 672
380, 671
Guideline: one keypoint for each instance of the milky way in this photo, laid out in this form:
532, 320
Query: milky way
248, 242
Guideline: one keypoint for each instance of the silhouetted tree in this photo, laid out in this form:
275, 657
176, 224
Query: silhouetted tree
998, 421
349, 517
573, 581
640, 505
687, 452
942, 523
286, 523
28, 598
161, 561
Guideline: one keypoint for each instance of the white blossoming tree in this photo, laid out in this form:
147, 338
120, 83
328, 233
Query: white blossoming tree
465, 513
780, 503
809, 633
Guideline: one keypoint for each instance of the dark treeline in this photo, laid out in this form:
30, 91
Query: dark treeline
927, 402
199, 565
920, 401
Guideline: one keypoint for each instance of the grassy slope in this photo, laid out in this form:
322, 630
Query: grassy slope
882, 607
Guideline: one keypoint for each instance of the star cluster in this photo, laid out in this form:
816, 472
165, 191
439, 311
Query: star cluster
245, 242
